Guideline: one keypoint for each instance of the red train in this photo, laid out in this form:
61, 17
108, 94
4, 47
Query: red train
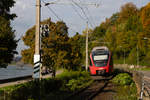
101, 62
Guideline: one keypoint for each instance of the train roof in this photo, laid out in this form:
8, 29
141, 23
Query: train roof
102, 48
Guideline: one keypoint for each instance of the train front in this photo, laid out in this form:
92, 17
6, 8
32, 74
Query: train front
100, 63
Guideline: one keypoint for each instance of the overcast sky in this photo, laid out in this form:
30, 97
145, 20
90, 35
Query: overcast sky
25, 10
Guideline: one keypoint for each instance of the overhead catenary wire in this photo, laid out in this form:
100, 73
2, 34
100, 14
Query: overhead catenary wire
83, 12
90, 16
57, 16
73, 6
78, 12
52, 11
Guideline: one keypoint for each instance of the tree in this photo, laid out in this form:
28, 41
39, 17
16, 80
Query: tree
75, 55
145, 13
127, 11
5, 6
56, 47
8, 43
125, 30
58, 50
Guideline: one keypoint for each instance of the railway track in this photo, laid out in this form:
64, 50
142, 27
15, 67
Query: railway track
146, 88
93, 90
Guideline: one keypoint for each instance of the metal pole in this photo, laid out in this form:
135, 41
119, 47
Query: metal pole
37, 41
87, 47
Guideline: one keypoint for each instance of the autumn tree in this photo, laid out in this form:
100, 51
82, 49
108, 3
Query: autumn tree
126, 31
57, 49
145, 13
76, 52
127, 11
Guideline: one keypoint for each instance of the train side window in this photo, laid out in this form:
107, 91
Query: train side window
111, 61
90, 63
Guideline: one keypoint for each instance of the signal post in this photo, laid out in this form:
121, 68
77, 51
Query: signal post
37, 57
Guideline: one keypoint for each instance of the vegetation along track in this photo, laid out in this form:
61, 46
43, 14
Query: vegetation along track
93, 90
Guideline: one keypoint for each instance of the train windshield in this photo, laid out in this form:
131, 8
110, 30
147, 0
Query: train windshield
100, 60
100, 57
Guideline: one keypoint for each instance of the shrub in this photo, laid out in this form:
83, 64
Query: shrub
68, 81
122, 79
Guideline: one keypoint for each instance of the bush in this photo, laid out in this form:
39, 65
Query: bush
67, 82
122, 79
74, 80
75, 84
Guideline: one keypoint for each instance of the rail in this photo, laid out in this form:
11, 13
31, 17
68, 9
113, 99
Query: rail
88, 93
145, 90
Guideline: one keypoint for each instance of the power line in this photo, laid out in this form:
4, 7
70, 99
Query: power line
90, 16
77, 12
52, 11
56, 14
83, 12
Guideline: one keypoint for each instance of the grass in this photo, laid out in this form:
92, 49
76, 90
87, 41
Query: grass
55, 88
125, 87
126, 92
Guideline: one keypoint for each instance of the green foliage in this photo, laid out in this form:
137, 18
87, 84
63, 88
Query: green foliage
58, 50
126, 92
5, 6
65, 83
76, 84
123, 32
8, 43
122, 79
75, 53
74, 80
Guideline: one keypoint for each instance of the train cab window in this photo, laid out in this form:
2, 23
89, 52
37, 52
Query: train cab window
100, 60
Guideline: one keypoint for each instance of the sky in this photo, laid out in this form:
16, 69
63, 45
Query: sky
68, 12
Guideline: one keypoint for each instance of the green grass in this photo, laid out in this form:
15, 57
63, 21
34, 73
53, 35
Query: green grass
127, 92
55, 88
125, 87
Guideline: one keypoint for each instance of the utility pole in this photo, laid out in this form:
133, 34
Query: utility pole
37, 62
87, 48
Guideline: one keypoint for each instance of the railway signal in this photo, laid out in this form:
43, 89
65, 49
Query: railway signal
44, 30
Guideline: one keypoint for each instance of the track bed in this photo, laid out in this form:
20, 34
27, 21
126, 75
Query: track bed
94, 90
